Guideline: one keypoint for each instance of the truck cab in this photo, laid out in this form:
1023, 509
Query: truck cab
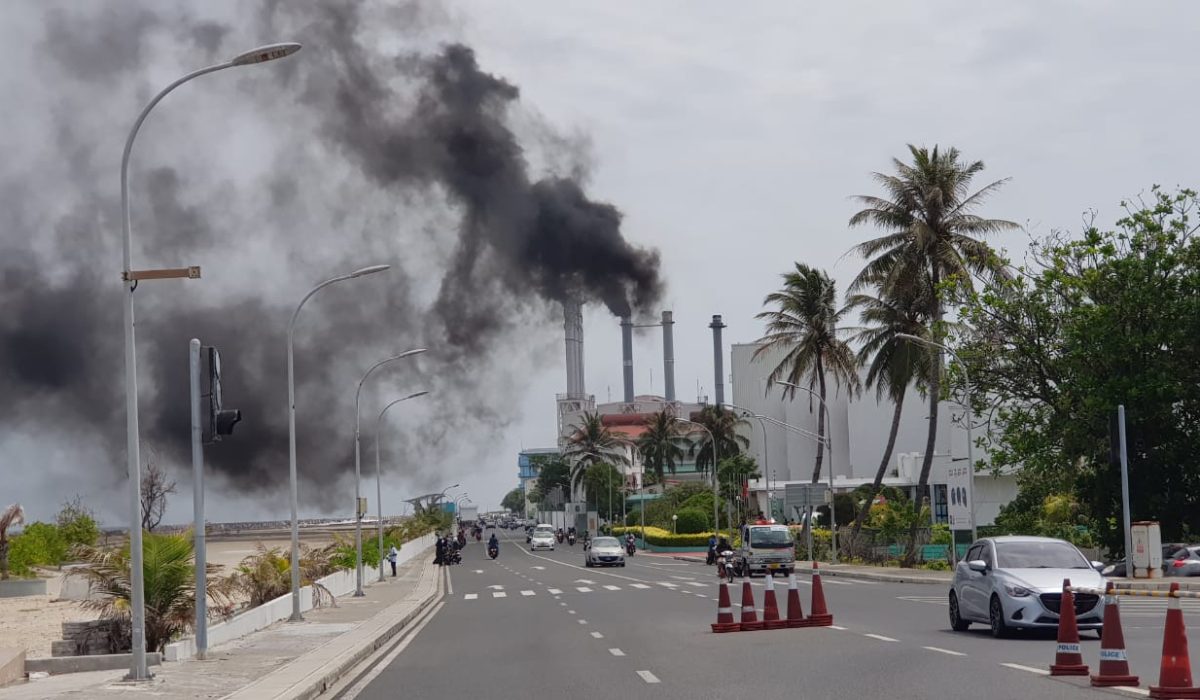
766, 547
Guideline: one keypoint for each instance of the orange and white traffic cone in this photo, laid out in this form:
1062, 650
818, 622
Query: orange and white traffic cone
750, 621
795, 614
1114, 665
771, 619
820, 616
1068, 661
1175, 670
725, 621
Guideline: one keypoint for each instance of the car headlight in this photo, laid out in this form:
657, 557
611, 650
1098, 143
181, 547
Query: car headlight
1108, 570
1017, 591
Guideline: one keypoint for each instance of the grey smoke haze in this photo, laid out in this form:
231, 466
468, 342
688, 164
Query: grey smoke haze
379, 142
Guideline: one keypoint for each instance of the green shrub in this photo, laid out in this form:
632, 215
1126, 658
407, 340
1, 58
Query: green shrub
663, 538
40, 544
77, 524
690, 521
936, 565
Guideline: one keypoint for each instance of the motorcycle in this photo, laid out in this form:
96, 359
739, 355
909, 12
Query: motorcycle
478, 535
462, 540
493, 552
559, 536
571, 539
725, 565
452, 556
630, 548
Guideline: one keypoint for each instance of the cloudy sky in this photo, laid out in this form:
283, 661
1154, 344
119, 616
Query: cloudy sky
730, 139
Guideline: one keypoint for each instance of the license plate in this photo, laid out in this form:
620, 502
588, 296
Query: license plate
773, 566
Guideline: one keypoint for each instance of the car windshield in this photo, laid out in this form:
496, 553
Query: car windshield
1039, 555
768, 538
543, 533
605, 542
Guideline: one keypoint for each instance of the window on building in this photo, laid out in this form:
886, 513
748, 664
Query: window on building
941, 510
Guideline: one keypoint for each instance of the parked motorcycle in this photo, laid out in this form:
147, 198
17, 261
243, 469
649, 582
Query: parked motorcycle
724, 565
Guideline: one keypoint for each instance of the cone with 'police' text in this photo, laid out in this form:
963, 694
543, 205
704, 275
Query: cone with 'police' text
750, 621
1114, 665
795, 614
1175, 670
820, 616
725, 621
1068, 661
771, 619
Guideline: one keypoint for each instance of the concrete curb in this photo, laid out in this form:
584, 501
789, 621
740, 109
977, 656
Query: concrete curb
57, 665
315, 680
881, 577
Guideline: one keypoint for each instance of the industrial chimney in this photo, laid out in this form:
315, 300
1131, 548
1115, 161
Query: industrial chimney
573, 333
627, 356
718, 363
668, 323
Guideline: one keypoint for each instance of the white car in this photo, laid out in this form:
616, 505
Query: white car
604, 551
543, 538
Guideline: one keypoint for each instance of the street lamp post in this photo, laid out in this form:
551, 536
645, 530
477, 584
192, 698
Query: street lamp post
138, 670
292, 479
673, 519
378, 480
761, 424
970, 420
716, 492
358, 560
829, 445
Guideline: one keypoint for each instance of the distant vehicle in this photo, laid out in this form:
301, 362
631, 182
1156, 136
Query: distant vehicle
1117, 569
1186, 562
605, 551
1016, 582
542, 538
468, 514
766, 548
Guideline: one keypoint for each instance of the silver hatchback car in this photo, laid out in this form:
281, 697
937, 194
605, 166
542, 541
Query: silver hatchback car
1016, 582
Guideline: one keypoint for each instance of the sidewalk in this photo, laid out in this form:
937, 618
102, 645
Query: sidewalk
285, 660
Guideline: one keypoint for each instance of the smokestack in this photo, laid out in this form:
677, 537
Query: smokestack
668, 323
573, 334
718, 363
627, 356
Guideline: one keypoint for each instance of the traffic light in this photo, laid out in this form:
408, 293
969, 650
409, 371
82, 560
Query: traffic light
220, 420
225, 420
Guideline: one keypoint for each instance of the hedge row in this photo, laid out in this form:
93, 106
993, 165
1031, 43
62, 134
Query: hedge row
664, 538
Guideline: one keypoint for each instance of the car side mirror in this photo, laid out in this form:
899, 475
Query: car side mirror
1098, 565
978, 565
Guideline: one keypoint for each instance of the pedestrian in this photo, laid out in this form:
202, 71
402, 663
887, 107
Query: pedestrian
440, 551
711, 557
392, 555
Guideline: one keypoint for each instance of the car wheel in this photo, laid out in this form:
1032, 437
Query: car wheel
587, 563
1000, 629
622, 565
956, 622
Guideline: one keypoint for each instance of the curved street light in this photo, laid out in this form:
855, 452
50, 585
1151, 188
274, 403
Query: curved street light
138, 670
358, 561
378, 481
713, 440
833, 547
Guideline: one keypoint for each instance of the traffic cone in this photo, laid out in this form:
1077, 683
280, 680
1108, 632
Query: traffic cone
820, 617
1114, 665
725, 621
1175, 671
750, 621
1068, 661
795, 614
771, 619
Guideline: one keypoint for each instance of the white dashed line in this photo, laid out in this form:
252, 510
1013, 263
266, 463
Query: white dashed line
471, 596
881, 638
583, 589
945, 651
836, 627
616, 652
667, 584
638, 585
597, 635
570, 612
697, 583
648, 677
499, 594
553, 591
1030, 669
527, 593
612, 588
582, 622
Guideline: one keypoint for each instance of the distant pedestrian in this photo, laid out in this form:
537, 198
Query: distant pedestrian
440, 551
392, 555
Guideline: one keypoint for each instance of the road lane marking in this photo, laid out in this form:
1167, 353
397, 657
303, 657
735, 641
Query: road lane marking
499, 594
683, 578
612, 588
527, 593
471, 596
539, 568
697, 583
449, 583
582, 622
638, 585
881, 638
384, 663
648, 677
668, 584
583, 589
597, 635
553, 591
616, 652
945, 651
836, 627
570, 612
1030, 669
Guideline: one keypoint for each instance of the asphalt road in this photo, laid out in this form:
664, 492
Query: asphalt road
540, 625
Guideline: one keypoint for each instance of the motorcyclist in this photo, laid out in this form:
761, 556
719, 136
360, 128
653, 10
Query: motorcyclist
587, 539
630, 542
494, 543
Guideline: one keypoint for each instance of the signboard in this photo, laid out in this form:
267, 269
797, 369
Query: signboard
805, 495
958, 496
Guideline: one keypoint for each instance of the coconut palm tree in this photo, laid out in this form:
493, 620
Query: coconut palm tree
805, 328
12, 515
661, 446
591, 442
930, 228
893, 363
723, 424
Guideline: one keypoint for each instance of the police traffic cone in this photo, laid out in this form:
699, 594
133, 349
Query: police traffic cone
1068, 661
725, 621
1114, 666
795, 614
819, 617
1175, 671
750, 621
771, 619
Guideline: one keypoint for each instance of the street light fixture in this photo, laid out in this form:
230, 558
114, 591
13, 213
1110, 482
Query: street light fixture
829, 445
378, 480
713, 440
673, 519
138, 670
970, 419
358, 561
296, 616
763, 425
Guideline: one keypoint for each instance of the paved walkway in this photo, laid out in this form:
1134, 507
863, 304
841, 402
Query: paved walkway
285, 660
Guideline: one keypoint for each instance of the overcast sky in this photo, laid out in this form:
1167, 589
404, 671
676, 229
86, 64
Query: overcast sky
732, 139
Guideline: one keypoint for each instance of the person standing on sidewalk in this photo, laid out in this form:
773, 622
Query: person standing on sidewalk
392, 555
440, 551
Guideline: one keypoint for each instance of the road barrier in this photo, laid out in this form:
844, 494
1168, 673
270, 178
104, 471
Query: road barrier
771, 619
750, 621
795, 614
725, 621
1114, 664
1068, 660
820, 615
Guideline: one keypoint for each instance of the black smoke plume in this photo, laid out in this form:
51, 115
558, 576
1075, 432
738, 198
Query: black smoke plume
382, 141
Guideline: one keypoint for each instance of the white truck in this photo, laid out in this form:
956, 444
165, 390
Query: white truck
468, 514
765, 548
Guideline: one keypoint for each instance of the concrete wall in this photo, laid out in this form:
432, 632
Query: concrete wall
12, 665
19, 587
339, 584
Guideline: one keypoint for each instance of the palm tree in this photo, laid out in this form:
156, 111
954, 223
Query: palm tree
805, 327
892, 363
591, 442
930, 230
12, 515
723, 424
662, 443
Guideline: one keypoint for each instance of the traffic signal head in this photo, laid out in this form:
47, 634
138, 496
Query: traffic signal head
224, 421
